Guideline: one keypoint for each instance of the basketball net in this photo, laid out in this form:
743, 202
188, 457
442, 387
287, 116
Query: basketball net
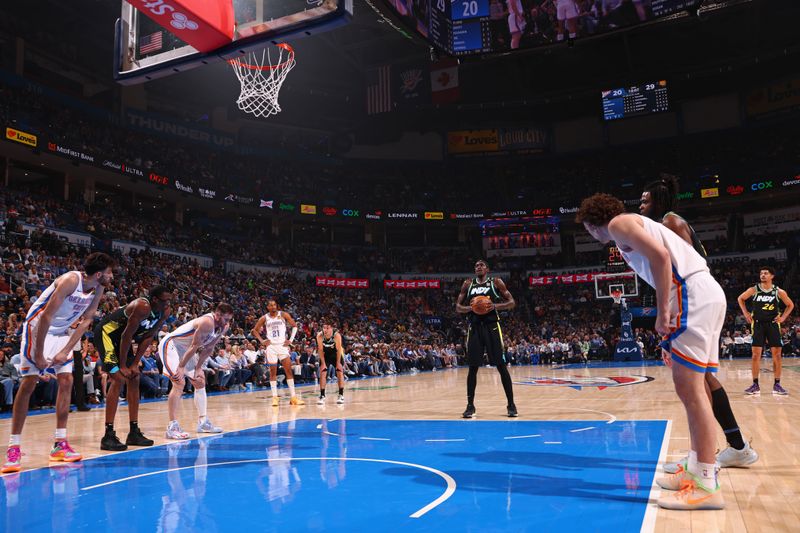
261, 78
617, 296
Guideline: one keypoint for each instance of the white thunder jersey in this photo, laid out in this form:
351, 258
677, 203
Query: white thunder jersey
685, 260
70, 310
697, 302
182, 337
275, 328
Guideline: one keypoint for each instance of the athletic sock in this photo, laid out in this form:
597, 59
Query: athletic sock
724, 415
777, 381
290, 382
322, 392
691, 463
707, 476
15, 440
200, 401
341, 391
755, 380
472, 382
61, 434
134, 425
109, 428
505, 379
274, 386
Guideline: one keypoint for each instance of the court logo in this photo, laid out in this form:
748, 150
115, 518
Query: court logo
579, 382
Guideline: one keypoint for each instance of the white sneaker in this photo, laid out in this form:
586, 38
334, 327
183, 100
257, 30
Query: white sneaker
673, 468
340, 399
321, 400
175, 432
207, 427
737, 458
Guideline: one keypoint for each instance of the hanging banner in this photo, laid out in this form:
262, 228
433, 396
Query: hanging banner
411, 284
342, 283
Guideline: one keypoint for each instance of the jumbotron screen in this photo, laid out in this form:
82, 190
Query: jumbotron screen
462, 27
644, 99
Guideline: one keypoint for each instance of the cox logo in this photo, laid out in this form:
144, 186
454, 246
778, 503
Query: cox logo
761, 185
349, 212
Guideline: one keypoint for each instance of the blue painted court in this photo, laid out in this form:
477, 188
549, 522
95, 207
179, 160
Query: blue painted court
356, 475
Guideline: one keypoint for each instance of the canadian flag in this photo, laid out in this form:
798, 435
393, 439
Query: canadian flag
444, 81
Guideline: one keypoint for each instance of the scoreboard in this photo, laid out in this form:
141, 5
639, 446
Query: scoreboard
472, 32
637, 100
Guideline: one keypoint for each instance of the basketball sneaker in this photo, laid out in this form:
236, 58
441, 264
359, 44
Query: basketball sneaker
512, 411
777, 389
321, 400
137, 438
690, 497
175, 432
674, 468
674, 481
296, 401
469, 412
13, 458
753, 390
731, 457
207, 427
62, 451
340, 399
111, 443
275, 401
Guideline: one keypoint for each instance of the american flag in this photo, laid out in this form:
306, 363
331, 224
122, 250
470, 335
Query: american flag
150, 43
379, 93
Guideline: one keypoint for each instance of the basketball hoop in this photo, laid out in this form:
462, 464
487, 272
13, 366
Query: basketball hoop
261, 79
616, 295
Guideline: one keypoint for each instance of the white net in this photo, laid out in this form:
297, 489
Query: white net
261, 75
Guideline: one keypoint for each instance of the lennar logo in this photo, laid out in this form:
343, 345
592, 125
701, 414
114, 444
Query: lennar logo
402, 215
21, 137
434, 215
181, 187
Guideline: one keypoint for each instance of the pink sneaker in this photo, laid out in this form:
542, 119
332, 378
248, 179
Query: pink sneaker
62, 451
13, 457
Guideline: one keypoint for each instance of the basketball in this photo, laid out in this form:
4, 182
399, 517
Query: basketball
481, 305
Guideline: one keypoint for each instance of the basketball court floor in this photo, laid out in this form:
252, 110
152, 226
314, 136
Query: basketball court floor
582, 456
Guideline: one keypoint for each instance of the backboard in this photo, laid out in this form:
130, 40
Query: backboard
144, 50
625, 282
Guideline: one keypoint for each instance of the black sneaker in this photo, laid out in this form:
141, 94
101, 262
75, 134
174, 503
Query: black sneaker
512, 411
136, 438
469, 412
111, 443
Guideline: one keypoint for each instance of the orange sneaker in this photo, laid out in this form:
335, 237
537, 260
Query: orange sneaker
296, 401
692, 498
13, 457
674, 481
62, 451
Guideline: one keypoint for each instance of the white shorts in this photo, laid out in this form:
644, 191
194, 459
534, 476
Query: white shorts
567, 10
52, 345
699, 305
276, 352
171, 356
516, 24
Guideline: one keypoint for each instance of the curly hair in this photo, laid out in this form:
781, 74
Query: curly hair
663, 194
599, 209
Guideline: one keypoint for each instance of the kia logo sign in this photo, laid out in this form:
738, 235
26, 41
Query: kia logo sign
735, 190
761, 185
349, 212
330, 211
161, 180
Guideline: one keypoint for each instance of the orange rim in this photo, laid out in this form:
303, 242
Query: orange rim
285, 46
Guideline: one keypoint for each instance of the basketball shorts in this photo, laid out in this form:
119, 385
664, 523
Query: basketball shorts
516, 24
699, 305
566, 10
276, 353
330, 361
53, 343
108, 350
766, 333
171, 354
485, 338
